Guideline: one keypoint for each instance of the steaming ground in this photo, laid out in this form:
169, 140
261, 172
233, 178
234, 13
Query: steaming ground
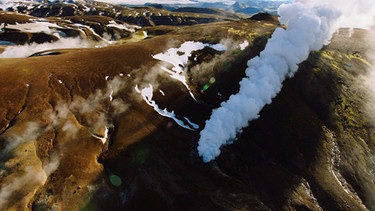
22, 51
84, 116
178, 58
76, 133
70, 118
368, 81
308, 27
355, 14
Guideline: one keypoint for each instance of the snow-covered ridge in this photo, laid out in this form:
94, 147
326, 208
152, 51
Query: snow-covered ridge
59, 34
34, 27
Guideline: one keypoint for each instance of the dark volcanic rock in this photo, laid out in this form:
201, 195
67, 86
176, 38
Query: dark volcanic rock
118, 174
76, 135
86, 27
56, 10
15, 37
263, 17
42, 38
302, 153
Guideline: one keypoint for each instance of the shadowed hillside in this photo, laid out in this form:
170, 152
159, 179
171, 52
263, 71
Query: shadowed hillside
117, 127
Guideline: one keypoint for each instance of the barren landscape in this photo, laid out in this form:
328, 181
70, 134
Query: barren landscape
102, 109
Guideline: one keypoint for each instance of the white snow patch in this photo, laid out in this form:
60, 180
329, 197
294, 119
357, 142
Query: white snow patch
178, 58
104, 138
80, 26
127, 27
244, 45
35, 27
2, 26
195, 126
111, 95
145, 34
147, 94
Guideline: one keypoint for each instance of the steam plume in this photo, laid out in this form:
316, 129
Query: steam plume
308, 28
92, 111
22, 51
32, 177
32, 132
356, 13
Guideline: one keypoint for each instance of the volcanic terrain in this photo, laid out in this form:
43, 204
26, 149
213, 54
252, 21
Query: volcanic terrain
114, 124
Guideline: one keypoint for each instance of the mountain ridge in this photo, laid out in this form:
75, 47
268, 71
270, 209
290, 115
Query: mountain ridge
114, 126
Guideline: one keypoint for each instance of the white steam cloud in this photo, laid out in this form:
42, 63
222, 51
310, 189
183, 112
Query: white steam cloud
369, 82
33, 177
356, 13
22, 51
92, 111
32, 132
178, 58
309, 24
25, 172
308, 28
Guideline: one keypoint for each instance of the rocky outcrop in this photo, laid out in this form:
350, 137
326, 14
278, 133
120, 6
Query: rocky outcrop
32, 30
93, 20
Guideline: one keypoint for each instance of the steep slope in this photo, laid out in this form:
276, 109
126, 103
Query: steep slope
311, 149
42, 22
67, 116
317, 132
80, 130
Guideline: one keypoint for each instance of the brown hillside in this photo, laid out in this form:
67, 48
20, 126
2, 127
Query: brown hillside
37, 88
76, 135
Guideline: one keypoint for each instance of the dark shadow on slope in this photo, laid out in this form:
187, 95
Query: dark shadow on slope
277, 160
264, 17
276, 150
163, 171
294, 133
45, 53
284, 148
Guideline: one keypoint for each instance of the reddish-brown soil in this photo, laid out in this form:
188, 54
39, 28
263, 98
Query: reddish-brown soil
282, 161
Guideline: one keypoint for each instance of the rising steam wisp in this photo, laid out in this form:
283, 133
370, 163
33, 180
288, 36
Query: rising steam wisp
308, 28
